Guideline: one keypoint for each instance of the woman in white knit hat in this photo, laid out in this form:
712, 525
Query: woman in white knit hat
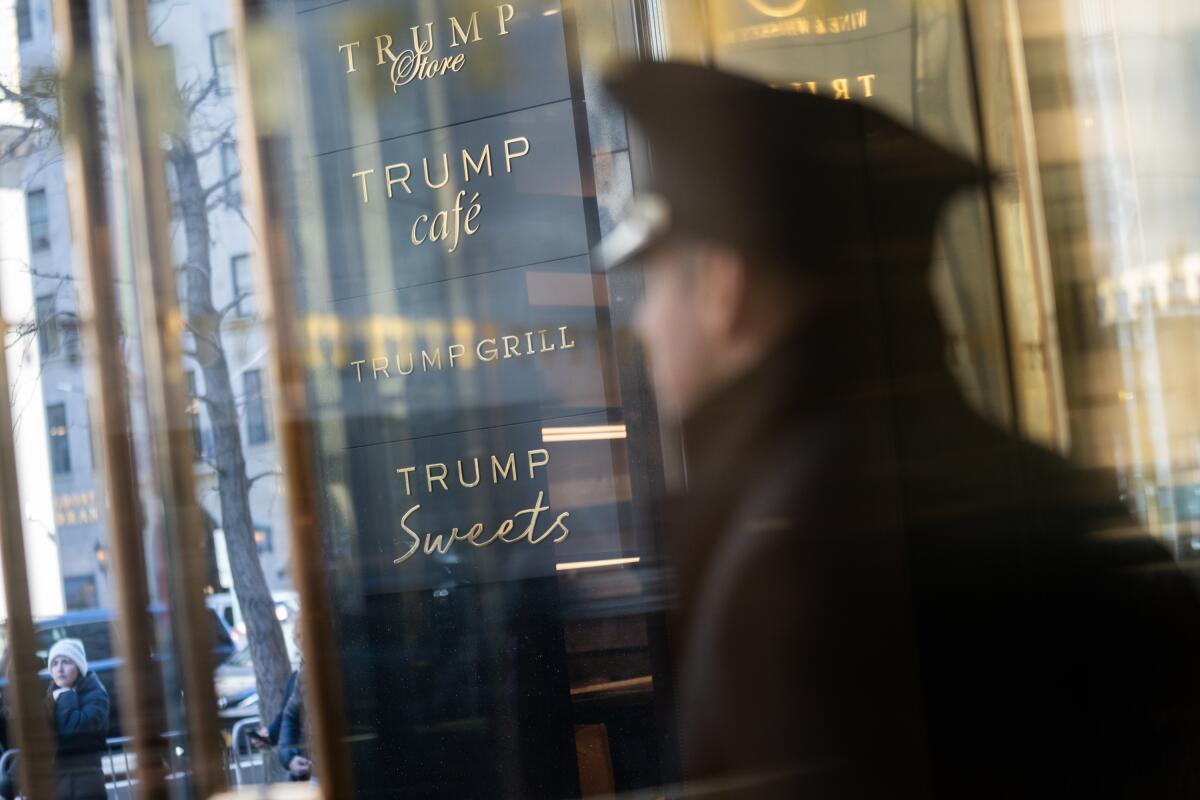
78, 704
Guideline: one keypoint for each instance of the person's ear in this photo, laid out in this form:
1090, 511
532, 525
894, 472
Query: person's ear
721, 294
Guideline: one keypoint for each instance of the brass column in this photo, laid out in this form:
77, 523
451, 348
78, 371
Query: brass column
262, 172
140, 682
161, 327
26, 691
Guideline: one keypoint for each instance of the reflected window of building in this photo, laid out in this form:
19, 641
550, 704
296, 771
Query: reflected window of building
222, 61
38, 215
181, 286
166, 61
80, 591
60, 442
47, 325
231, 173
243, 286
193, 412
264, 539
258, 429
24, 21
173, 191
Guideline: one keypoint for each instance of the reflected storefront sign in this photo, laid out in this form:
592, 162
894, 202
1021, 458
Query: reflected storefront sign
847, 49
468, 332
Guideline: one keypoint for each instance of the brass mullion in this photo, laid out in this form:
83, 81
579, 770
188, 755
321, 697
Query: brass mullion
258, 151
25, 691
140, 683
162, 353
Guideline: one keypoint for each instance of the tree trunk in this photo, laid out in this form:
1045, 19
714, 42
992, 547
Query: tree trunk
267, 647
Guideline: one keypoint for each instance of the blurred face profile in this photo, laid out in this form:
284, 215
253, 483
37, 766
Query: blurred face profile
669, 325
64, 672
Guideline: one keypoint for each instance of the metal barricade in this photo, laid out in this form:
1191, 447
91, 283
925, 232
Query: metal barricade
250, 765
117, 764
118, 767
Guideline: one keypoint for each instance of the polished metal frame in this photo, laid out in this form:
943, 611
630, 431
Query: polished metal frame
263, 173
161, 325
92, 236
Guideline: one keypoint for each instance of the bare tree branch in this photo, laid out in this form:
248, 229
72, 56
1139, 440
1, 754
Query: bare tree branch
232, 304
265, 474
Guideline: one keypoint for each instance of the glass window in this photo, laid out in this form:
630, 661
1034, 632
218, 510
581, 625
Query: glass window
222, 61
243, 285
231, 173
264, 538
484, 436
47, 324
258, 428
38, 216
193, 412
80, 591
60, 441
24, 21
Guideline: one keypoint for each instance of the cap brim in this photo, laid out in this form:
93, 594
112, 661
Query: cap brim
645, 222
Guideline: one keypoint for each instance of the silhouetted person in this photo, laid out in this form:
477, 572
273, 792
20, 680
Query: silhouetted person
880, 593
293, 752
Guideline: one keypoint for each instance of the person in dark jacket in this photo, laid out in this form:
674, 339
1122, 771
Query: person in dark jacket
270, 733
78, 704
881, 594
293, 754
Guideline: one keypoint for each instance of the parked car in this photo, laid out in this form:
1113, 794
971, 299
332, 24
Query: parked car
237, 691
94, 627
225, 604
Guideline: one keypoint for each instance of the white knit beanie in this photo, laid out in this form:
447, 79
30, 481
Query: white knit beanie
71, 649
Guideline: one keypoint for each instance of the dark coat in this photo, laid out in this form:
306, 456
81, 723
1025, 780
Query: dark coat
276, 725
80, 718
291, 728
882, 595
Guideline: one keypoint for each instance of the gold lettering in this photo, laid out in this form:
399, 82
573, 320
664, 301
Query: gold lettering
510, 465
405, 471
417, 222
463, 480
387, 175
543, 462
418, 45
362, 176
492, 352
445, 168
349, 48
440, 478
381, 48
456, 30
427, 362
485, 158
867, 81
841, 89
563, 337
473, 534
411, 364
511, 350
506, 14
545, 349
510, 154
558, 523
416, 539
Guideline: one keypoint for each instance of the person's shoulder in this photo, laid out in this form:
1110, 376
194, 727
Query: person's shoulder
92, 683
